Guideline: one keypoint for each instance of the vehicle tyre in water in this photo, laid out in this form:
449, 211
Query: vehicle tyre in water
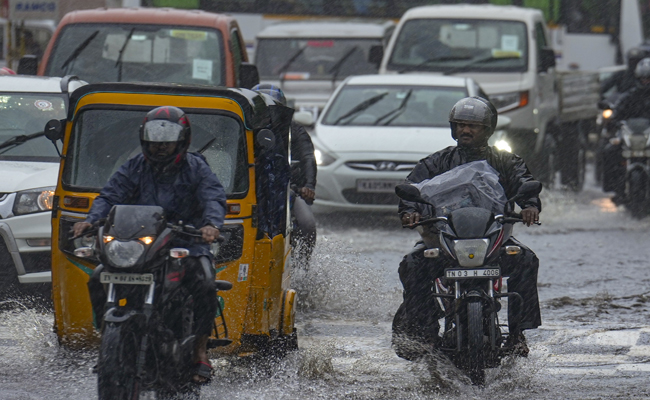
475, 335
573, 157
189, 392
637, 189
116, 367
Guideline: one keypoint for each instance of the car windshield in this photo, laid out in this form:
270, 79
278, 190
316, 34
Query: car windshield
142, 53
314, 59
460, 45
103, 139
24, 114
392, 105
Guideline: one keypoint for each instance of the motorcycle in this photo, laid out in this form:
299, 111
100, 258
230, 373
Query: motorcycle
147, 338
633, 135
469, 241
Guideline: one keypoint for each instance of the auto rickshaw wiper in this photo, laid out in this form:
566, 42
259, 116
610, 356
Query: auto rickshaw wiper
462, 68
290, 61
396, 112
336, 68
79, 49
119, 57
20, 139
205, 147
430, 60
361, 106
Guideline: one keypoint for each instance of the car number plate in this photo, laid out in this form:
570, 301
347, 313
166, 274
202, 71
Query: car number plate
127, 279
377, 185
472, 273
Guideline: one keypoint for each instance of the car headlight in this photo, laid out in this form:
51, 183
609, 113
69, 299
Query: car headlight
124, 254
503, 146
509, 101
322, 158
34, 200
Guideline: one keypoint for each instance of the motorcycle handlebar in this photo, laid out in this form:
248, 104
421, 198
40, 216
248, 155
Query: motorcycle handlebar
427, 221
191, 231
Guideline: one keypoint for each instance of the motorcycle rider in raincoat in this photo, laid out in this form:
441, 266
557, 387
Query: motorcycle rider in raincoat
635, 103
183, 184
473, 121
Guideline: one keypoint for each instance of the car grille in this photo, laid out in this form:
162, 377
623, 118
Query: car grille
354, 197
381, 165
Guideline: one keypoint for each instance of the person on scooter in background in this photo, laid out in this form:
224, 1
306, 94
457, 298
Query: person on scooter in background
183, 184
303, 182
635, 103
472, 121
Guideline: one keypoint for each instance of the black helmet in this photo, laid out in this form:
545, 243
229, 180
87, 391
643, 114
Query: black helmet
476, 110
165, 124
272, 91
642, 70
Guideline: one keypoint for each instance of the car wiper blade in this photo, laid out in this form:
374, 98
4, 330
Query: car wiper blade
336, 68
79, 49
464, 67
430, 60
20, 139
361, 106
290, 61
119, 57
397, 111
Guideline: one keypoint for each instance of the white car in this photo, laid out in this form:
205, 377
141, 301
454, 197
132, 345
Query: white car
29, 167
373, 131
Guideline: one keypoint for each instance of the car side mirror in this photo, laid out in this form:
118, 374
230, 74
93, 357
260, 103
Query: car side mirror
546, 59
376, 54
248, 75
28, 65
503, 123
304, 118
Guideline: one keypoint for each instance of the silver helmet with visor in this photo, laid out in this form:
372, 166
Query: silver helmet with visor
167, 125
475, 110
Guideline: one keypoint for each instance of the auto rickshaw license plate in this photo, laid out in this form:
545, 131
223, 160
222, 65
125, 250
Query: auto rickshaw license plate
127, 279
472, 273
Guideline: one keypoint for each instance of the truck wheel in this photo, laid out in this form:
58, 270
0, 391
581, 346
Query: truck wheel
637, 189
573, 157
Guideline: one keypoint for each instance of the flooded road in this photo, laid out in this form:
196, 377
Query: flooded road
594, 343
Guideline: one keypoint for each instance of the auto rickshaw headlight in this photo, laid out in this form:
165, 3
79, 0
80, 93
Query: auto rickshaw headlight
124, 254
34, 200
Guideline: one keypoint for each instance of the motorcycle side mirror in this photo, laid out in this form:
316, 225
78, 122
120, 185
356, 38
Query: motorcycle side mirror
265, 138
409, 193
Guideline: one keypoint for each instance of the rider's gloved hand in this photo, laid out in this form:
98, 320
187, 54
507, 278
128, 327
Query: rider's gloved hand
210, 233
530, 215
307, 194
410, 218
80, 227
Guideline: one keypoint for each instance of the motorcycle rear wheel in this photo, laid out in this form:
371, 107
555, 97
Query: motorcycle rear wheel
475, 335
116, 366
637, 189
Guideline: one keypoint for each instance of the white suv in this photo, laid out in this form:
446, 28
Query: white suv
29, 167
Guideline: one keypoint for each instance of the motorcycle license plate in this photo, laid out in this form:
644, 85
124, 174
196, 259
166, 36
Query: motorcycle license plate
478, 273
377, 185
127, 279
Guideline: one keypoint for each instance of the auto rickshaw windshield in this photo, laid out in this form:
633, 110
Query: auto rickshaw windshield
104, 139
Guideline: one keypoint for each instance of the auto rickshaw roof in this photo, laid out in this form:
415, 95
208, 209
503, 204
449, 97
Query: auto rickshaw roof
255, 106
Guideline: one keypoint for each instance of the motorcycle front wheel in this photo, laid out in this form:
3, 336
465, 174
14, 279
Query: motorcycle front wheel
637, 189
475, 335
116, 367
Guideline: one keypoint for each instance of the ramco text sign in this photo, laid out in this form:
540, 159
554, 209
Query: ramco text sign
33, 9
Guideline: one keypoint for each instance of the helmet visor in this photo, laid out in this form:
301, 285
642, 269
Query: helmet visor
160, 130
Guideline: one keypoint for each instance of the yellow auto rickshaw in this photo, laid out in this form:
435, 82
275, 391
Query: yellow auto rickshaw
244, 137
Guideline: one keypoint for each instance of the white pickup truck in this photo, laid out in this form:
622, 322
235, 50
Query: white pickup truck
507, 51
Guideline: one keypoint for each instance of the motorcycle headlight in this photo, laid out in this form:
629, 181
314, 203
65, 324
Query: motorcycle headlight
124, 254
34, 200
322, 158
471, 252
